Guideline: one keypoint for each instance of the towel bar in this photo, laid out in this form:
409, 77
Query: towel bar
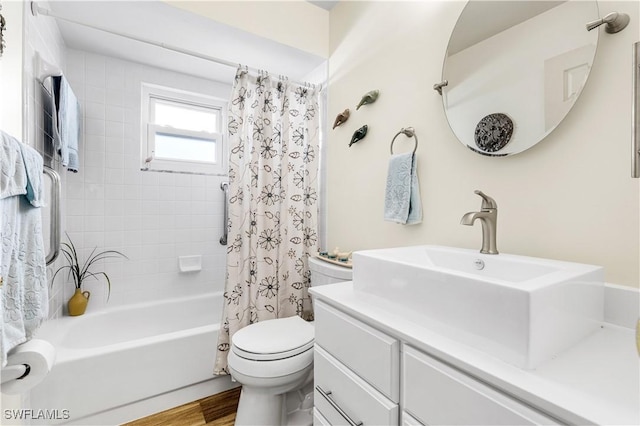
54, 235
409, 132
224, 186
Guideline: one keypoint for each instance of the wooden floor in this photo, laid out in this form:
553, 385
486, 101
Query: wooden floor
216, 410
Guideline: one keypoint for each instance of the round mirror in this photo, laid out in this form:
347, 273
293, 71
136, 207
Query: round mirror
514, 70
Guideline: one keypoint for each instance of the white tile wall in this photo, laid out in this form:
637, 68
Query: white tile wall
41, 36
111, 204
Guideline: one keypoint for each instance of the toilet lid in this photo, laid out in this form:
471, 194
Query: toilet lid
273, 339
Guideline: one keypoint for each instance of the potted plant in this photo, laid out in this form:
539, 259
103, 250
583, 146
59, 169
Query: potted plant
81, 271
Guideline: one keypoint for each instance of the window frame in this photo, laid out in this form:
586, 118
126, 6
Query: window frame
149, 162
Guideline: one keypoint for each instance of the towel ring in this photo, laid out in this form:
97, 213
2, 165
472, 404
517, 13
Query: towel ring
409, 132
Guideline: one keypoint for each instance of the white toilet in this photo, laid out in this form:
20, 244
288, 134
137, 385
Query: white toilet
275, 357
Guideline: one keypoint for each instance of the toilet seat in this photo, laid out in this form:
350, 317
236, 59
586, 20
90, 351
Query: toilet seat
272, 348
256, 342
242, 368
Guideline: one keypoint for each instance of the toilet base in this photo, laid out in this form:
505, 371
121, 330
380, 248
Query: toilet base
259, 408
296, 407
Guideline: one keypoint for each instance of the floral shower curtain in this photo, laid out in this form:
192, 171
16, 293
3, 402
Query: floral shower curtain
273, 202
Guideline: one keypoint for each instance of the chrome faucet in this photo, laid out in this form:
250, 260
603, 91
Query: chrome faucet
488, 216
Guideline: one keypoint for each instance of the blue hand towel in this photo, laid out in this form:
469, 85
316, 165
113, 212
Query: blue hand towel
402, 197
68, 124
33, 164
13, 176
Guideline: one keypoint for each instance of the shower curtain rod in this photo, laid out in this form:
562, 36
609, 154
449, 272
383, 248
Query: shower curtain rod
37, 10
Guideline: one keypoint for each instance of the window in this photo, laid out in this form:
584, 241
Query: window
182, 131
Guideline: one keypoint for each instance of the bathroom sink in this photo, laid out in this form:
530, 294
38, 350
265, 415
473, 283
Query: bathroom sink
520, 309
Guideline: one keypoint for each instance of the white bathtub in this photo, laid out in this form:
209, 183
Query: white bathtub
123, 363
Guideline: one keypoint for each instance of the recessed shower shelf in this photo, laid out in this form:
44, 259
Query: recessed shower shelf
190, 263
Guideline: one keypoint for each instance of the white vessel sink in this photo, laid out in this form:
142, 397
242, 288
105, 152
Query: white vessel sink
520, 309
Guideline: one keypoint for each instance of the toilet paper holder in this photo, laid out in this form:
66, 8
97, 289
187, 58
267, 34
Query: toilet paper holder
15, 372
28, 364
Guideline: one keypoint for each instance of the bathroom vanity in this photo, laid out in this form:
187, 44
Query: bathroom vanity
378, 363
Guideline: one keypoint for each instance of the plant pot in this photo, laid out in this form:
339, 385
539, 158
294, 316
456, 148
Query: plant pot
78, 302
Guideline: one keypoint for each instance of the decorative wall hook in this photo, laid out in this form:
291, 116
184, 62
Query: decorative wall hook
368, 98
438, 86
359, 134
342, 118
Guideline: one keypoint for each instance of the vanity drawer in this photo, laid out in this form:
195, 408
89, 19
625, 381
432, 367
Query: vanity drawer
318, 418
371, 354
435, 393
408, 420
342, 397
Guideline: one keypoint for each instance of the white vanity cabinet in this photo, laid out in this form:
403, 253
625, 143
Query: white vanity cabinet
356, 371
364, 376
418, 372
435, 393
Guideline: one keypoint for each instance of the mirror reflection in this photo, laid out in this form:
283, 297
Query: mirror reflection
526, 60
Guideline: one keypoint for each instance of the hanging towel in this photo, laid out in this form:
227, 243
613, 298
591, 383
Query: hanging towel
60, 148
13, 176
402, 198
33, 164
24, 294
68, 119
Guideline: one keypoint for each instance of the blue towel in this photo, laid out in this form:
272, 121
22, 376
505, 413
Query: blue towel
68, 124
13, 176
402, 197
24, 296
33, 164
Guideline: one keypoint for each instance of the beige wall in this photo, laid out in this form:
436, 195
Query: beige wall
570, 197
295, 23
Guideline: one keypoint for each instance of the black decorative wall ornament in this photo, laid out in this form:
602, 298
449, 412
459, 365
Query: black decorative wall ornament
2, 28
493, 132
359, 134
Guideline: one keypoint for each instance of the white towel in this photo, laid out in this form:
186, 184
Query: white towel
13, 176
24, 294
68, 114
402, 197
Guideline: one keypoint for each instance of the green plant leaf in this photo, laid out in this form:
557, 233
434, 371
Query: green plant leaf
80, 271
91, 274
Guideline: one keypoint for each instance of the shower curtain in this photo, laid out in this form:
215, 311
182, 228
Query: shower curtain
273, 202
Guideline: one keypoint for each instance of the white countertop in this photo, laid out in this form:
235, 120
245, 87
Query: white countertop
595, 382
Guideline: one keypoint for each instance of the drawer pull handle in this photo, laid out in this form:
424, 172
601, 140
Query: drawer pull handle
327, 396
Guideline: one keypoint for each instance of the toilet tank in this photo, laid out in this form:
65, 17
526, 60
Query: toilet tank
327, 273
